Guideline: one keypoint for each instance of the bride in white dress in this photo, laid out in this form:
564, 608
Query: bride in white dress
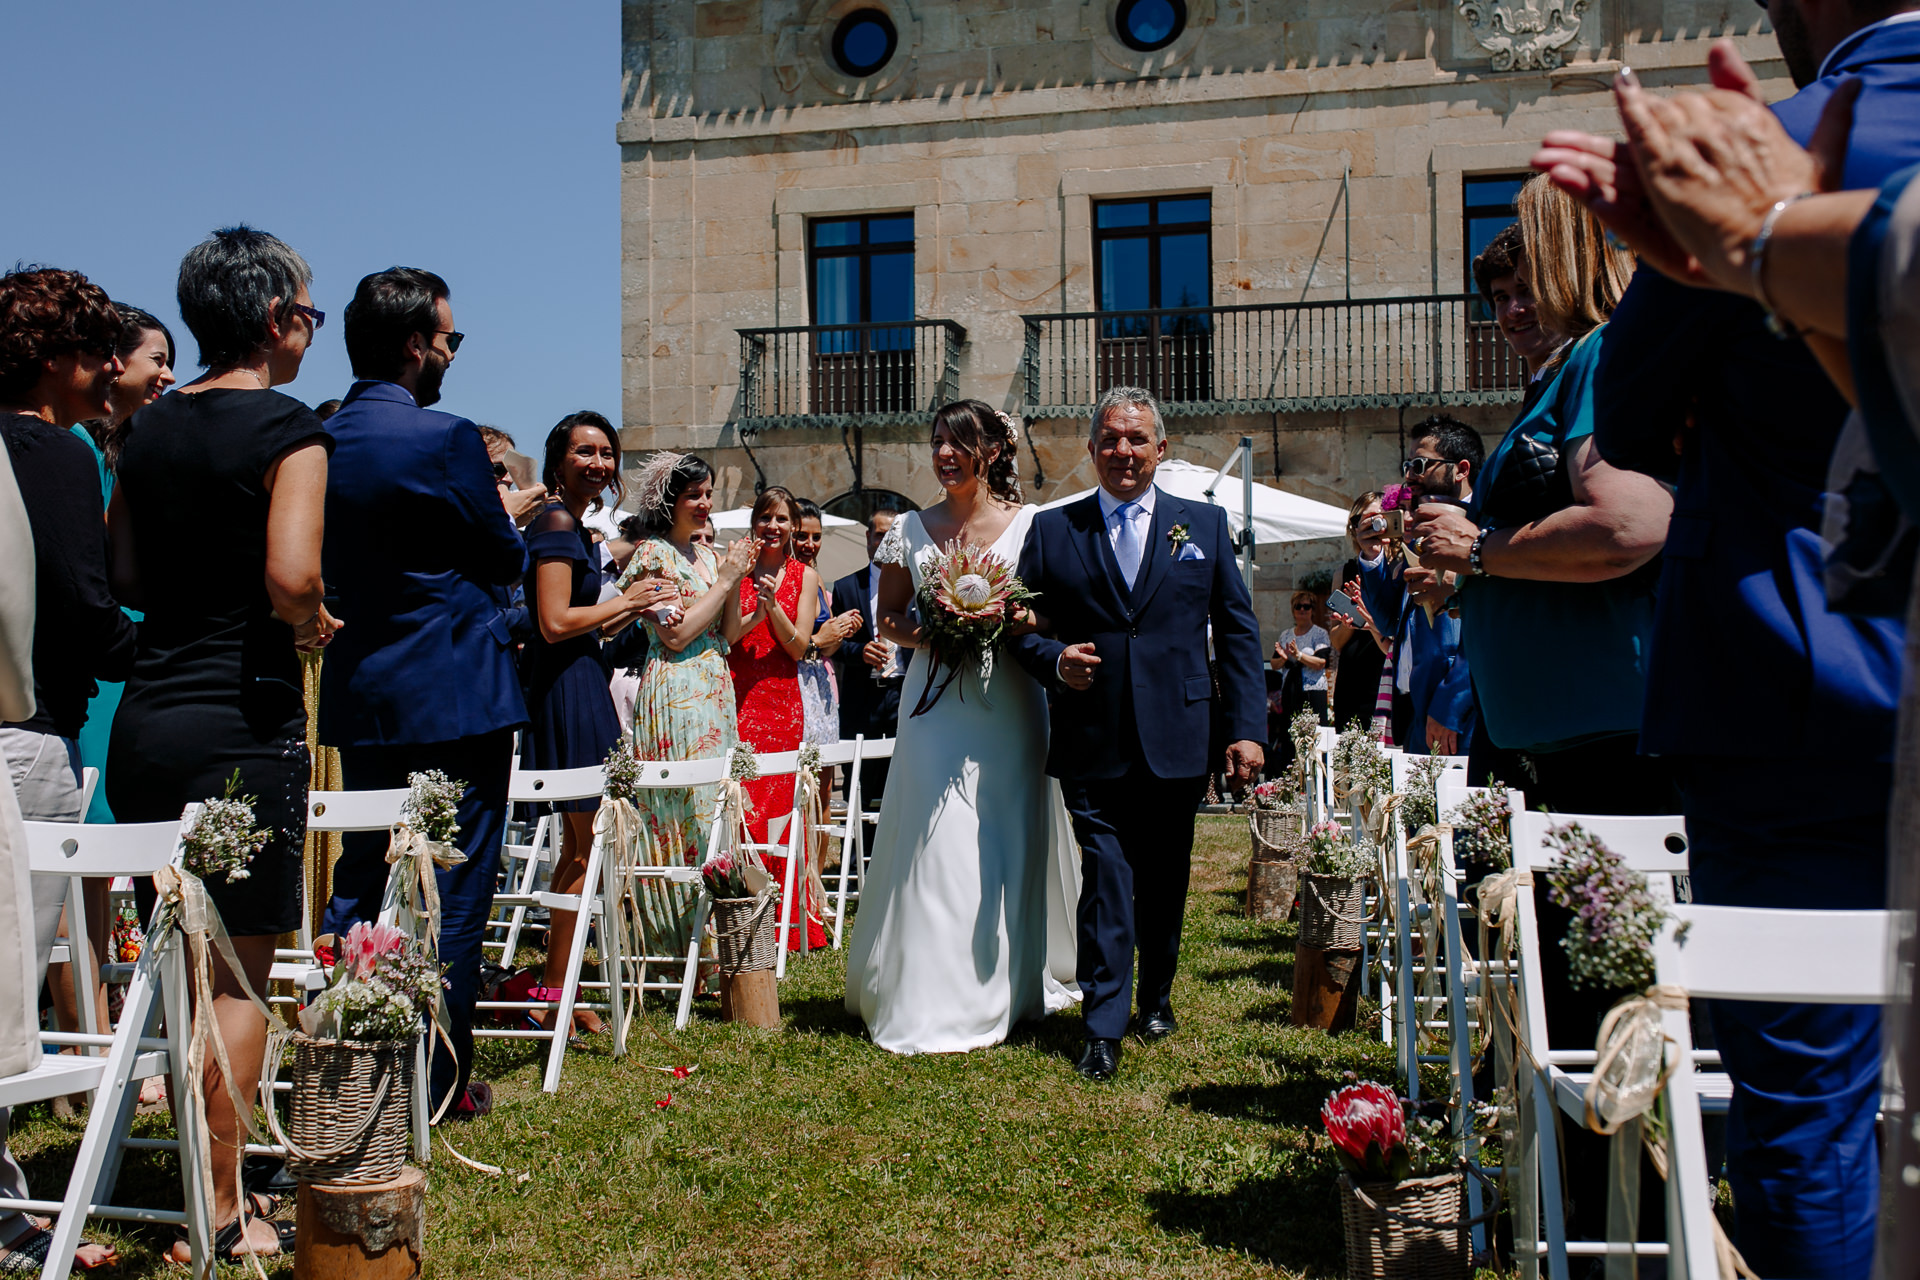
966, 923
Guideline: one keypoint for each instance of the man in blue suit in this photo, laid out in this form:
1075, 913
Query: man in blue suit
1130, 580
1752, 678
419, 545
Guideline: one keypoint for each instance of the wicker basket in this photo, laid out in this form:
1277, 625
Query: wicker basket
1275, 833
746, 931
1332, 912
1411, 1230
348, 1115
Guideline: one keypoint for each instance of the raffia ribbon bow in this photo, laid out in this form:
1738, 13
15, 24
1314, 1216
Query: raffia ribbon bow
412, 887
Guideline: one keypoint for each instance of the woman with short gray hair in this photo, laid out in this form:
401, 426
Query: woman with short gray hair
216, 528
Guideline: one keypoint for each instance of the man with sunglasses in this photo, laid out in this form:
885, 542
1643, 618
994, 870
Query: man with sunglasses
421, 545
1432, 691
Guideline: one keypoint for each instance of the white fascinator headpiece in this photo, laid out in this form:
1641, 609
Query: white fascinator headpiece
650, 482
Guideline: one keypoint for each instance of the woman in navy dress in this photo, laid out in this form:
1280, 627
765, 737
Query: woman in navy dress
569, 702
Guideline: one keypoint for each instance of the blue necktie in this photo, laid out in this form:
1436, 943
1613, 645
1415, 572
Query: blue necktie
1126, 547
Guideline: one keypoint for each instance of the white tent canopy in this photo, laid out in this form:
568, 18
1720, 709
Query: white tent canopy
1278, 516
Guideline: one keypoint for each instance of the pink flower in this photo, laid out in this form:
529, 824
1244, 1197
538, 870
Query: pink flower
1365, 1120
1397, 497
365, 944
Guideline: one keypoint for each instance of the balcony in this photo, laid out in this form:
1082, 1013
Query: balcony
847, 375
1285, 357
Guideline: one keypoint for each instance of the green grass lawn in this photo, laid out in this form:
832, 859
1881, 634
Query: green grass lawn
808, 1152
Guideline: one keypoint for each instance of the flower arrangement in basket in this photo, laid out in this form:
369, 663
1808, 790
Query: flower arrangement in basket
348, 1113
745, 899
969, 598
1333, 889
1403, 1185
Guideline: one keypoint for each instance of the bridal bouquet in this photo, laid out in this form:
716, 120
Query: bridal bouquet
968, 600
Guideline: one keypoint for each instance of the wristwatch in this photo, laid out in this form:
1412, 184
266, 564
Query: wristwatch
1473, 554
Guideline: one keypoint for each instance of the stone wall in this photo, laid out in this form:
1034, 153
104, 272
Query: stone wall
998, 123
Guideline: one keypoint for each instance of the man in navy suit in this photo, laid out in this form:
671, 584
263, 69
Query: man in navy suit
1130, 579
1752, 678
419, 545
868, 704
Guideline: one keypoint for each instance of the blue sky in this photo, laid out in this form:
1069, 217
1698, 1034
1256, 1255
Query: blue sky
474, 138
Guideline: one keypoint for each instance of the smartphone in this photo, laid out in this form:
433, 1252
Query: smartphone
1341, 606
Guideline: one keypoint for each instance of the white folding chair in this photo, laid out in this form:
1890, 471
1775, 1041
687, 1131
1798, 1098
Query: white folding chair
1657, 848
1748, 953
554, 786
785, 837
337, 813
1404, 1013
1319, 797
129, 849
632, 966
847, 829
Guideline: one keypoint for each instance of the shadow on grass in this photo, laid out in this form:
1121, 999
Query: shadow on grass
824, 1016
1059, 1036
1283, 1102
1272, 971
1290, 1220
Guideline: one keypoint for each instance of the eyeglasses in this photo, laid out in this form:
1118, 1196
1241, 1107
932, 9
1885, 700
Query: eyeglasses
314, 317
454, 337
1420, 466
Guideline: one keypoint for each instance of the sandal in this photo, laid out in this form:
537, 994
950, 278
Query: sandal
27, 1256
227, 1240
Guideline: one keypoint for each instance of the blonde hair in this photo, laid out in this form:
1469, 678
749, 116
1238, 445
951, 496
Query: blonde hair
1576, 276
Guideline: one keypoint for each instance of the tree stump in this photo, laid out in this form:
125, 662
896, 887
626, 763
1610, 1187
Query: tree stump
752, 998
1326, 988
375, 1231
1270, 889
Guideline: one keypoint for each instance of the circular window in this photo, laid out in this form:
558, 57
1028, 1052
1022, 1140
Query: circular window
864, 42
1147, 25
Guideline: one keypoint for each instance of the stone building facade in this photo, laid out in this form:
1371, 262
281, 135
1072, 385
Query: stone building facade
1281, 196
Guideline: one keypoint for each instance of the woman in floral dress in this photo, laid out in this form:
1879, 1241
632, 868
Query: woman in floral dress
772, 617
684, 707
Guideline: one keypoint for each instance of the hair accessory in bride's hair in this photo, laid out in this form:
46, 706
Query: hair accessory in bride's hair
650, 482
1011, 423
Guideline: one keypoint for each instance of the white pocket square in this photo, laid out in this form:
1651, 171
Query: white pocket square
1190, 552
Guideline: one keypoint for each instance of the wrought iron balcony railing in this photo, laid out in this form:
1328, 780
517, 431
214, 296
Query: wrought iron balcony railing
832, 375
1285, 357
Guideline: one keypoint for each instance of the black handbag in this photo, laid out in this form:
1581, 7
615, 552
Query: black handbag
1532, 483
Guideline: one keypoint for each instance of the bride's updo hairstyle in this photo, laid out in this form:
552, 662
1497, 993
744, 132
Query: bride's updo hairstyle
975, 428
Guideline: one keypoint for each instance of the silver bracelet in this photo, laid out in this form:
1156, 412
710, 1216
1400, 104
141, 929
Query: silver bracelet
1757, 266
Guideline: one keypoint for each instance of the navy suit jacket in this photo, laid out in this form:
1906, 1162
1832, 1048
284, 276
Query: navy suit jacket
417, 547
1746, 656
858, 692
1152, 697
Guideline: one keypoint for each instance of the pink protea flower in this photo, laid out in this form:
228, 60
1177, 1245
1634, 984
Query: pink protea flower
365, 944
972, 583
1368, 1128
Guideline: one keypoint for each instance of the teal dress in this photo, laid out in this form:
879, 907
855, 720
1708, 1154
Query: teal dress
106, 699
1555, 664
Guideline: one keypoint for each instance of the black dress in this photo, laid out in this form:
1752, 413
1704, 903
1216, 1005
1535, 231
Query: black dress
569, 701
216, 684
1356, 683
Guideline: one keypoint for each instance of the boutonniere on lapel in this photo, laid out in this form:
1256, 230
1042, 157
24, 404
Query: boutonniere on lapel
1178, 537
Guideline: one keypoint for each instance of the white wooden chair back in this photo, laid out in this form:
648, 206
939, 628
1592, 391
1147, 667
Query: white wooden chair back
1655, 846
343, 811
1751, 953
125, 849
851, 831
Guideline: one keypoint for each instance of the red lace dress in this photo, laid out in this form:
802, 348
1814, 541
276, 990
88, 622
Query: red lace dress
766, 691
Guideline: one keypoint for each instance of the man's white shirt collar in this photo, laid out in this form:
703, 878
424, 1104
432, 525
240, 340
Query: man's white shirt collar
1110, 504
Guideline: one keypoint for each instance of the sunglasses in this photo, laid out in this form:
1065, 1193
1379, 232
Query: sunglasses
1303, 608
1420, 466
314, 317
454, 338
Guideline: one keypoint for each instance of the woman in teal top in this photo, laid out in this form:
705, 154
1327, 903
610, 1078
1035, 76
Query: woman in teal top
1553, 553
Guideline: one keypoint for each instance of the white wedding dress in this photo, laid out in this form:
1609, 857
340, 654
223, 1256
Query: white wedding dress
966, 919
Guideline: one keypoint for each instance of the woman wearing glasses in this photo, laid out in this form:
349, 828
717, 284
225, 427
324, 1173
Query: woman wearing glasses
216, 528
1297, 678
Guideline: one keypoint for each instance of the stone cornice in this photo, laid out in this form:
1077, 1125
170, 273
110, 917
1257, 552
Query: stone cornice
981, 104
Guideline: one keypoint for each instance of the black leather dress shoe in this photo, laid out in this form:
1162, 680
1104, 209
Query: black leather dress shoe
1158, 1024
1099, 1060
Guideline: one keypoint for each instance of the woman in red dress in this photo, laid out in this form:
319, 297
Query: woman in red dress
770, 624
